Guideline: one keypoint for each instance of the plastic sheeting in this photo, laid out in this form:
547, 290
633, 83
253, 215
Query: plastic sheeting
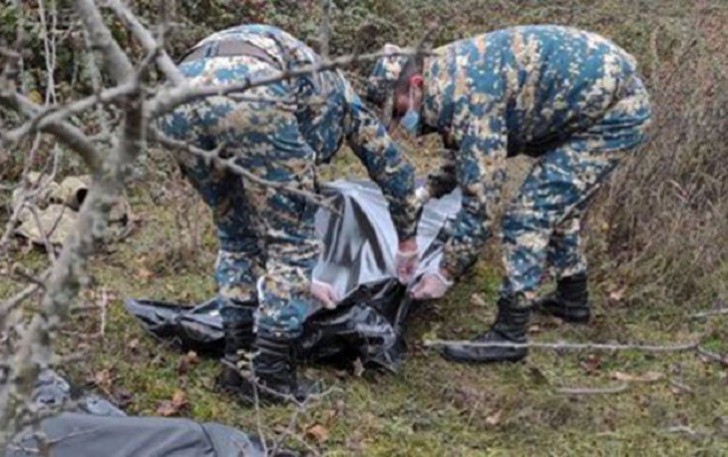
95, 427
359, 247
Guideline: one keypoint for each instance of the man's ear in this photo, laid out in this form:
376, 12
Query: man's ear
416, 81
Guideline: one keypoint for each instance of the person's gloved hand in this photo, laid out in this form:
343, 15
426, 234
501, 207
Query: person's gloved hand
422, 195
430, 286
325, 294
407, 260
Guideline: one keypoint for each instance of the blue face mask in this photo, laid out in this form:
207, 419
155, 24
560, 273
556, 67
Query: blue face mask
411, 122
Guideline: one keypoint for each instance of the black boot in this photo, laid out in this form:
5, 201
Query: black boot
237, 323
274, 374
510, 327
570, 302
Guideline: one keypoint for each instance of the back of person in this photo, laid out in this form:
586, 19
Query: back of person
547, 81
317, 98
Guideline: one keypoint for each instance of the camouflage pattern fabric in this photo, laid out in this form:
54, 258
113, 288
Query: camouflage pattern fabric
279, 132
571, 98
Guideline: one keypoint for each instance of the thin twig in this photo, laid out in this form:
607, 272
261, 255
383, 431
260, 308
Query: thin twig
165, 63
57, 113
684, 429
683, 387
44, 236
64, 131
593, 391
325, 29
104, 306
185, 92
230, 164
29, 277
13, 302
713, 312
560, 346
712, 356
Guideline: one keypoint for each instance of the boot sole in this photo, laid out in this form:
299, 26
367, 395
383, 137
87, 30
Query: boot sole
455, 359
566, 318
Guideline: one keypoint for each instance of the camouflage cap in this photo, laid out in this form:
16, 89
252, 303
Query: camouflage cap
383, 78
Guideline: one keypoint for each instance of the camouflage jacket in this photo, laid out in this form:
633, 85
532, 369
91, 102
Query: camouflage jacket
328, 111
513, 91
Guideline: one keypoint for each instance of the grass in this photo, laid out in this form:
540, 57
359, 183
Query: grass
432, 407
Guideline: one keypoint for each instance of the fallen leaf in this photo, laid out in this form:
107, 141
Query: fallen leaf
103, 378
133, 345
535, 328
494, 418
186, 361
317, 432
330, 417
618, 294
592, 364
172, 407
477, 300
122, 397
192, 357
650, 376
537, 375
179, 398
144, 273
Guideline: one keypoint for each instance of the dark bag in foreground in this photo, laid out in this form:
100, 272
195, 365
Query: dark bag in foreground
95, 427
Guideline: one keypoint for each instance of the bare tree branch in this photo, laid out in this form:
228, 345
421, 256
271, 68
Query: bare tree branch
35, 349
12, 303
116, 63
164, 62
67, 133
184, 92
213, 156
58, 113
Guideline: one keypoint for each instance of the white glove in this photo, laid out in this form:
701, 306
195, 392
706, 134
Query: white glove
422, 195
430, 286
406, 264
324, 293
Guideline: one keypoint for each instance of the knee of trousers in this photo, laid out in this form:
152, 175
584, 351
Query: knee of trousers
525, 224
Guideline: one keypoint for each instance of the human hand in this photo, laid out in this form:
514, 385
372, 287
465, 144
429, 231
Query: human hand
325, 294
407, 260
431, 286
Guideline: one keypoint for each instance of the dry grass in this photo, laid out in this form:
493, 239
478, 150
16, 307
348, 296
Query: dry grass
667, 210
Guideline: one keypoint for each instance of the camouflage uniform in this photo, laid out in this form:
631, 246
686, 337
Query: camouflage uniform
279, 132
570, 98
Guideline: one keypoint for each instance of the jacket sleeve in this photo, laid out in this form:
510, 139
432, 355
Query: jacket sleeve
385, 162
479, 171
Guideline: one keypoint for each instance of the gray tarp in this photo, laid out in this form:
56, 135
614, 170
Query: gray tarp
95, 428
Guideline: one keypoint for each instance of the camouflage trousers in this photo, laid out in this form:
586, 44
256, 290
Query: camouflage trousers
267, 241
541, 226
